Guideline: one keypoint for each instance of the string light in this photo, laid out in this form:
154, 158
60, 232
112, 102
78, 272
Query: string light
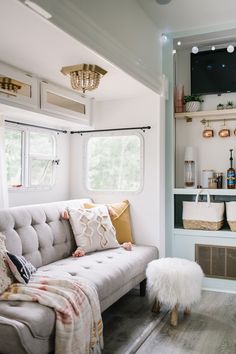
230, 48
195, 50
164, 38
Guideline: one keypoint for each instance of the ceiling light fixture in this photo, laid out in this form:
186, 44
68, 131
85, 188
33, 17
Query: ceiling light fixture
174, 51
9, 86
84, 77
179, 43
213, 48
230, 48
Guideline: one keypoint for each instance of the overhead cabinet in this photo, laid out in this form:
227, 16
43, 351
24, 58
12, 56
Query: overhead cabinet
18, 87
31, 93
65, 103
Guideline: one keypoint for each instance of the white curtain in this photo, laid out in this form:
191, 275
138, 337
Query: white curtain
3, 178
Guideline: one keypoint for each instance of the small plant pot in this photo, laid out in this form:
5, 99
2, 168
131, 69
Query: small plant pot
192, 106
229, 107
220, 107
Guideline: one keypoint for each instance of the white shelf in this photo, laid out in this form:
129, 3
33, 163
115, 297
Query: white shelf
227, 113
189, 191
205, 233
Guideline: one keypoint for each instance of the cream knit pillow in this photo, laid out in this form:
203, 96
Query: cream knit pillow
6, 278
92, 228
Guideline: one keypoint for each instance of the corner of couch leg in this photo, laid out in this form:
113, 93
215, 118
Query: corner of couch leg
143, 287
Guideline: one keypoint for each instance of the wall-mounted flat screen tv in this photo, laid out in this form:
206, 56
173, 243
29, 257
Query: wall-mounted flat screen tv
213, 72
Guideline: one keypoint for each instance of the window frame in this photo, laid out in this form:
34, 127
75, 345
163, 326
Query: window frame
112, 134
26, 157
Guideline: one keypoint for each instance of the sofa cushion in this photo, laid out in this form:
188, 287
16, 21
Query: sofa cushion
39, 319
26, 327
110, 269
92, 228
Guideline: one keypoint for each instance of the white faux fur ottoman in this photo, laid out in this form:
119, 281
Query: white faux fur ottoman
174, 282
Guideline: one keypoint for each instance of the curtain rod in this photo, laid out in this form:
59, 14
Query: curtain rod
37, 126
109, 130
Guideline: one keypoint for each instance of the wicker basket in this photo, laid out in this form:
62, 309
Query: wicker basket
203, 215
203, 225
231, 215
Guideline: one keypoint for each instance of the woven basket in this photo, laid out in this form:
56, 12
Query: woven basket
232, 225
203, 215
203, 225
231, 215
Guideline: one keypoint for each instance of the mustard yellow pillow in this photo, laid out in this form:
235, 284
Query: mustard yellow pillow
120, 217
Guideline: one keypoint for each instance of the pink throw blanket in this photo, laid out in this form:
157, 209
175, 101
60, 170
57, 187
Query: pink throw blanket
78, 318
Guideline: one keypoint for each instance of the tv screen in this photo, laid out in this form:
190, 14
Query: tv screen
213, 72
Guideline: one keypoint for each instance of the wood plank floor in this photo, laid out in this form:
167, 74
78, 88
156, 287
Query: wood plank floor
130, 327
210, 329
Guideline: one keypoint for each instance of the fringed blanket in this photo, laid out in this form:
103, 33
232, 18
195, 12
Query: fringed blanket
75, 301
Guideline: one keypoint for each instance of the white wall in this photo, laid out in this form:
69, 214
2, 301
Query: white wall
60, 191
145, 206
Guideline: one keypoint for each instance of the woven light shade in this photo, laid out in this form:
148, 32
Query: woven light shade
84, 77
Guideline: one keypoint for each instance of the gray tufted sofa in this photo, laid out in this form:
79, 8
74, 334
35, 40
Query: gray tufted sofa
38, 233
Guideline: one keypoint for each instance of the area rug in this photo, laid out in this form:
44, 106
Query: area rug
128, 323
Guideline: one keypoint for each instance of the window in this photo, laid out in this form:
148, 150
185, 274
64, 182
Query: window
114, 163
30, 157
13, 143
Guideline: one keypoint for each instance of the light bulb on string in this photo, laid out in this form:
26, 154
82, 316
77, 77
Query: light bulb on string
230, 48
164, 38
195, 50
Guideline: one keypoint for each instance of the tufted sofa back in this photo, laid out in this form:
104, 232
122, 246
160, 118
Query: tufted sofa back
37, 231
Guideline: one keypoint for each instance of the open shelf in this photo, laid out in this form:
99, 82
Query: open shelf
223, 233
227, 113
193, 191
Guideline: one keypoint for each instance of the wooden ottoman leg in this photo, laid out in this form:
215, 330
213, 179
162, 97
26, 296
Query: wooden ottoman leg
187, 311
156, 306
174, 316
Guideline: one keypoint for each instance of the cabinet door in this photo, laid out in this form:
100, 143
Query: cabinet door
67, 104
18, 87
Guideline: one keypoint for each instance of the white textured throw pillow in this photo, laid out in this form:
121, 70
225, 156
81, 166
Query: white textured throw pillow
93, 229
5, 274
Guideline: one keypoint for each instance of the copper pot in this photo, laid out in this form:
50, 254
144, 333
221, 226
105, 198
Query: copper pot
208, 133
224, 133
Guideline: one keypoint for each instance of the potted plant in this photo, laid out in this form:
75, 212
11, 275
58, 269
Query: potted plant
193, 103
220, 106
230, 105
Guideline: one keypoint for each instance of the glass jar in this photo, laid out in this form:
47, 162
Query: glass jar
189, 174
212, 183
219, 180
